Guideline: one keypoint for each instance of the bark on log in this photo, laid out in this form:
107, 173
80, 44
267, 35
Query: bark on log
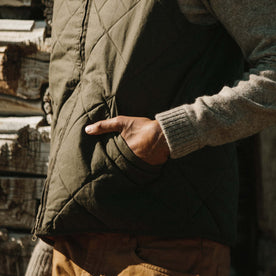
25, 150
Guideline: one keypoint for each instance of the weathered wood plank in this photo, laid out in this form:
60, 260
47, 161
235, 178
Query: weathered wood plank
33, 75
16, 25
36, 35
25, 151
11, 125
19, 107
15, 252
16, 3
18, 201
23, 72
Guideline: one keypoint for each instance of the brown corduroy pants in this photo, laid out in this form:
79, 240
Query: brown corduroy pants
124, 255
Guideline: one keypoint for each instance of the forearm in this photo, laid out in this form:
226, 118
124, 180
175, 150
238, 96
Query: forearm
232, 114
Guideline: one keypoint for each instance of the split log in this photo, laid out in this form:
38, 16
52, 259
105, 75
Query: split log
15, 252
19, 198
35, 35
23, 72
23, 150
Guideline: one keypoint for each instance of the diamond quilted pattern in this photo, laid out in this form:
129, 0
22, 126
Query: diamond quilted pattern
61, 20
68, 24
100, 3
131, 48
102, 15
106, 12
65, 58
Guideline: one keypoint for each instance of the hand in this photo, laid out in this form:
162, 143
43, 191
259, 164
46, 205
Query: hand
144, 136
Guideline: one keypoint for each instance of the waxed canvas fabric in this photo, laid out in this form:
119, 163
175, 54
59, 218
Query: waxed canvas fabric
137, 58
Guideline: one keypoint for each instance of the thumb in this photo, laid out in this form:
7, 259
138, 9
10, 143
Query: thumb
106, 126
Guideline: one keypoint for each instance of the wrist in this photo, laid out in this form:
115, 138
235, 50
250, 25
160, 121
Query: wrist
162, 139
180, 134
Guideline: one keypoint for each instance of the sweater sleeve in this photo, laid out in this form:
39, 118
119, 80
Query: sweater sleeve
40, 263
247, 107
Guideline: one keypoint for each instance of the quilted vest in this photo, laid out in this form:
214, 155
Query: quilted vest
136, 58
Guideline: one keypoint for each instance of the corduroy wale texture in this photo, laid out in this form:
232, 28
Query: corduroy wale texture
142, 58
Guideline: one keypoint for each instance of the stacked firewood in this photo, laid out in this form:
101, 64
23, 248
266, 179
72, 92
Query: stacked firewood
24, 149
24, 134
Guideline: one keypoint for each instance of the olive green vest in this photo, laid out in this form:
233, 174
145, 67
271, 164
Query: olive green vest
135, 57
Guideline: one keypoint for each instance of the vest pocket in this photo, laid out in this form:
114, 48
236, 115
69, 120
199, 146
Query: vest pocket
132, 157
134, 168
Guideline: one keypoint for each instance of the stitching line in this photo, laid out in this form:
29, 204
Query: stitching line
113, 25
60, 34
102, 5
106, 32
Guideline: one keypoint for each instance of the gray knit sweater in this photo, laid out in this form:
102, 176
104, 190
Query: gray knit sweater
235, 112
40, 263
247, 107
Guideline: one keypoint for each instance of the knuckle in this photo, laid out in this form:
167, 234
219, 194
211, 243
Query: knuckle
100, 125
118, 119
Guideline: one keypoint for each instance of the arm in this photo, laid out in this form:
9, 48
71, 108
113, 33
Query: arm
244, 109
233, 113
40, 263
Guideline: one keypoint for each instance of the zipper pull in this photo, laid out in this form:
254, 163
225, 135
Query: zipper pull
34, 237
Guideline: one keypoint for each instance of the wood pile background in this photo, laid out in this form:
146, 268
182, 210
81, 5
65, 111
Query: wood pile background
24, 149
24, 134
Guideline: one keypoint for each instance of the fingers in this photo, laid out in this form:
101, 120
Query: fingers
106, 126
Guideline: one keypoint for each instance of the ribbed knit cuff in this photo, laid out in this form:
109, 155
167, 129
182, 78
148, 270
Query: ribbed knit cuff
180, 134
40, 263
